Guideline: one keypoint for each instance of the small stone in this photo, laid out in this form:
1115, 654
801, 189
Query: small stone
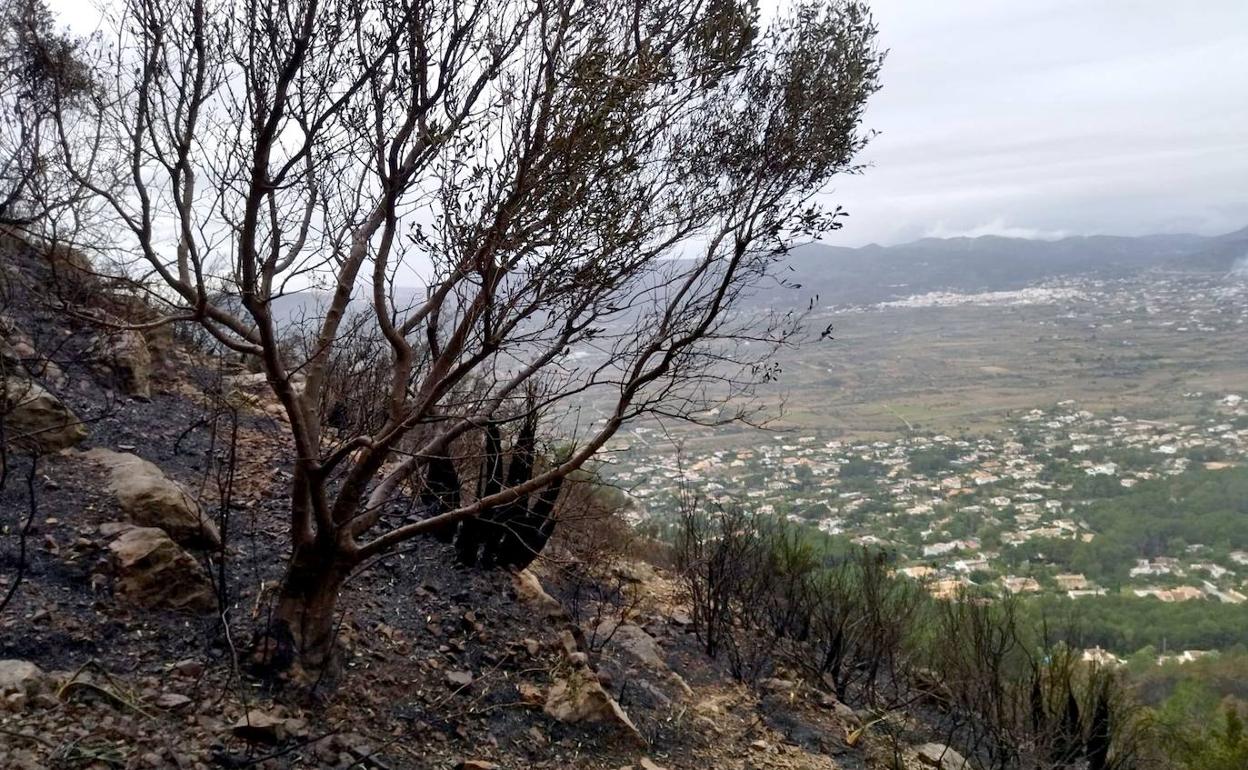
189, 668
114, 528
529, 591
475, 764
648, 764
259, 726
579, 698
154, 571
846, 713
459, 679
35, 419
171, 700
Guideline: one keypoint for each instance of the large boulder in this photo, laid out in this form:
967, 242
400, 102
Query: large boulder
37, 421
131, 363
153, 571
151, 499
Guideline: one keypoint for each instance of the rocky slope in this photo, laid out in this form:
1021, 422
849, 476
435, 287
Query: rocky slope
139, 560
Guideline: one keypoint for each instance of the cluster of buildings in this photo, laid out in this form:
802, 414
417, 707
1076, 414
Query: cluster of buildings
964, 512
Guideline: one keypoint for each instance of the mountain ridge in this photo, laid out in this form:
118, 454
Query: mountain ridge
873, 273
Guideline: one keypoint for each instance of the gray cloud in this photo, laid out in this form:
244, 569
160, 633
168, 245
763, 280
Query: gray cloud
1055, 117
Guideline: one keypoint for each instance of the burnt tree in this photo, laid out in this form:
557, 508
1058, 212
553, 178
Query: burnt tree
580, 192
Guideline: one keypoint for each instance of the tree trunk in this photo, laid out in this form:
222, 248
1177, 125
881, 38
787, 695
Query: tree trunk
300, 637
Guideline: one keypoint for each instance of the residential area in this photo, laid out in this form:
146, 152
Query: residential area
1040, 508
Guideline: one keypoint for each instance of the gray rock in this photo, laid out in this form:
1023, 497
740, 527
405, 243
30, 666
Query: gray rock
172, 700
37, 421
778, 685
457, 679
634, 640
189, 667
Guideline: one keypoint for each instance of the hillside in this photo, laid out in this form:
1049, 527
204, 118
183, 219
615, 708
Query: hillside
144, 510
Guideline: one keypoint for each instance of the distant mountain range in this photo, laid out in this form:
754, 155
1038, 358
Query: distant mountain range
991, 263
870, 274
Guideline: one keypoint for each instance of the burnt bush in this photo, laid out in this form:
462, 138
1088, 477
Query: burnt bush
769, 597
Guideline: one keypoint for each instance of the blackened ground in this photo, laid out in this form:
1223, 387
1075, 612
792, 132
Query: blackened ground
407, 621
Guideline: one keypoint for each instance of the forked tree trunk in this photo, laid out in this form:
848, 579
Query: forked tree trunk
301, 633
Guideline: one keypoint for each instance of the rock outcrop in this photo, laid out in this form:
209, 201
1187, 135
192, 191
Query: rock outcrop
153, 571
150, 499
37, 421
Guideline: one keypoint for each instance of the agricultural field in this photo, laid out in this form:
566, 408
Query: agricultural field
966, 362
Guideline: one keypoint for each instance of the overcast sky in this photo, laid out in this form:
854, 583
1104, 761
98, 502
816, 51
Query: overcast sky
1045, 118
1052, 117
